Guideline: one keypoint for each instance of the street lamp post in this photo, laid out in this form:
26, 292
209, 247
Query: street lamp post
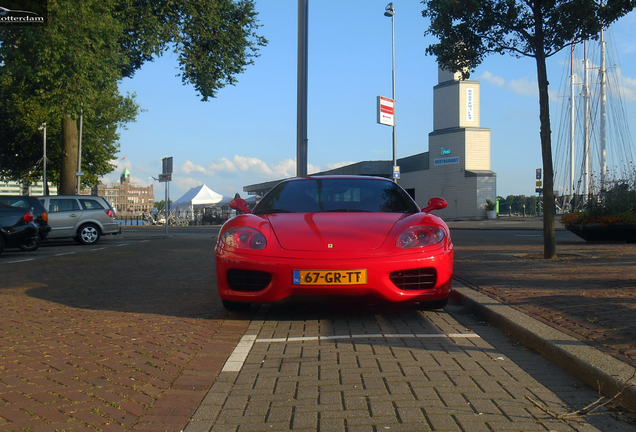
390, 12
303, 66
45, 188
79, 155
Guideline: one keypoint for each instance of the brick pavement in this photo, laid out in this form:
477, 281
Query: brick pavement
133, 351
588, 293
386, 368
132, 342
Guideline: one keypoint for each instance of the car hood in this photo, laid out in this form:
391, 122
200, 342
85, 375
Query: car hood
337, 231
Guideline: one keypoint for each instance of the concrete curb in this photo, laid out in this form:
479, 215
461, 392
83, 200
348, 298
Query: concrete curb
597, 369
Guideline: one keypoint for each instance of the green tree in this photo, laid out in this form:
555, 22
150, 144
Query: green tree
470, 30
72, 66
160, 205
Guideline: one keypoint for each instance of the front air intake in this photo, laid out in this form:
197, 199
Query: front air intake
415, 279
247, 280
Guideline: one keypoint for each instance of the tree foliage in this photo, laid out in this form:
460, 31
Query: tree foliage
470, 30
72, 66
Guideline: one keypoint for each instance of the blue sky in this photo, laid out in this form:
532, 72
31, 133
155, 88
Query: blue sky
247, 134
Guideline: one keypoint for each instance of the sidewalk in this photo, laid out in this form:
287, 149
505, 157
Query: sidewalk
588, 293
133, 345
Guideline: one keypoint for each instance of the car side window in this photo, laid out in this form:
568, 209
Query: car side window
90, 204
16, 202
63, 204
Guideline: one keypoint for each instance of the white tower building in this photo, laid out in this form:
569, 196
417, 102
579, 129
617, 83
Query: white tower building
458, 164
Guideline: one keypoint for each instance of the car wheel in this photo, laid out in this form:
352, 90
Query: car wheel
436, 304
235, 306
32, 244
1, 243
88, 234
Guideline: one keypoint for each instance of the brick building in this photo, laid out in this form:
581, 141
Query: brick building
124, 196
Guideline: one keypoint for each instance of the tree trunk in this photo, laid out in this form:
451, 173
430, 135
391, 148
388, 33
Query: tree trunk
70, 150
549, 237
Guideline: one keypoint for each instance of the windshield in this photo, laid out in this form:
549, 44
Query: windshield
336, 195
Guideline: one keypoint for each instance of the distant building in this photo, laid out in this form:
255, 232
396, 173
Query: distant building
124, 196
18, 188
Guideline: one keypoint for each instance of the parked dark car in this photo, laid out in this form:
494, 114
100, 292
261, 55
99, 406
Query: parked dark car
40, 217
16, 226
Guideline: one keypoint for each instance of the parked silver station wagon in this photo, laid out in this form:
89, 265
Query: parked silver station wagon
84, 218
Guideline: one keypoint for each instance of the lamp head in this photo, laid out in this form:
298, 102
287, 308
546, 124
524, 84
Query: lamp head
389, 11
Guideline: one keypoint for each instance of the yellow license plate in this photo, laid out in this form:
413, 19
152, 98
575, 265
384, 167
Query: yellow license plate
330, 277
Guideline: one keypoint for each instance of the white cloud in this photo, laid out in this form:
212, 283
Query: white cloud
253, 165
139, 181
188, 167
493, 79
521, 86
285, 168
223, 165
629, 89
187, 183
120, 165
142, 169
311, 169
338, 165
524, 87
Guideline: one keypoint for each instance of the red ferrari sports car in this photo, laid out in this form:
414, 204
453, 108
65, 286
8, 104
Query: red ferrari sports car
335, 236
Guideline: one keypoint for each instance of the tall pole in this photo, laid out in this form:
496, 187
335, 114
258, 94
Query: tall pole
603, 114
390, 11
165, 209
79, 154
586, 126
572, 123
44, 185
301, 131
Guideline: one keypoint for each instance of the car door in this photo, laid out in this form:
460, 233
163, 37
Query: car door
64, 215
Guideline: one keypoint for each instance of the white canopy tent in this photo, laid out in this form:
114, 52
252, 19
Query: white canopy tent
197, 198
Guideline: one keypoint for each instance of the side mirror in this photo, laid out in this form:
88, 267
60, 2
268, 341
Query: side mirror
239, 204
435, 204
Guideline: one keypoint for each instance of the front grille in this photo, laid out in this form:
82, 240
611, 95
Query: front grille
415, 279
247, 280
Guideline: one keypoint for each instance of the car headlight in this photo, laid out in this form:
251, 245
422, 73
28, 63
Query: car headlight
419, 236
244, 238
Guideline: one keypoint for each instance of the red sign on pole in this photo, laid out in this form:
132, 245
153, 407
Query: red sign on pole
386, 111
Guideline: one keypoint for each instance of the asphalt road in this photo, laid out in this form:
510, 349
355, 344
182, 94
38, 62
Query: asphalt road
130, 235
310, 366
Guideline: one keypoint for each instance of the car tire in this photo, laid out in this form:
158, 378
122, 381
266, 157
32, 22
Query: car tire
235, 306
32, 245
435, 304
1, 243
88, 234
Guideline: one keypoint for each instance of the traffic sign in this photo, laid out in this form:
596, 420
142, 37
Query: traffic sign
386, 111
165, 177
396, 172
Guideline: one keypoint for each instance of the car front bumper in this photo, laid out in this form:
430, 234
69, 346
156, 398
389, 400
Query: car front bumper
378, 285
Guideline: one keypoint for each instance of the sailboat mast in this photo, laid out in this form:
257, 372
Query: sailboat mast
586, 125
603, 95
572, 122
